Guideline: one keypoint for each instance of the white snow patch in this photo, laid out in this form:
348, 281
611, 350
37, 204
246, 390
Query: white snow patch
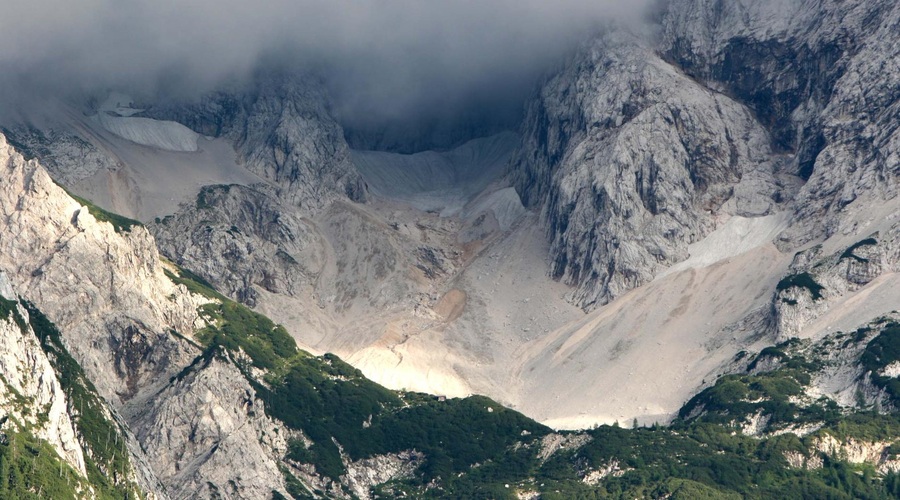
737, 236
165, 135
116, 116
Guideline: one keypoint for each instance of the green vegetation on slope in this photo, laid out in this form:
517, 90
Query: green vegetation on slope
206, 196
31, 469
8, 309
775, 394
802, 280
119, 222
327, 398
683, 461
106, 456
235, 326
882, 351
848, 253
195, 284
710, 455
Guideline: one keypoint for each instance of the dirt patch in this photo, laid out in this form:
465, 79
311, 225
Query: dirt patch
451, 305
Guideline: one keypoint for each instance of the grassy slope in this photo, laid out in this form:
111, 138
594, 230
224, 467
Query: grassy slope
30, 467
472, 452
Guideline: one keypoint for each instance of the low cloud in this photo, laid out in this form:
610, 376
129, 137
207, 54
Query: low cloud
381, 58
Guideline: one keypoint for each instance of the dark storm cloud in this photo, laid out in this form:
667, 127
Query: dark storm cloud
380, 56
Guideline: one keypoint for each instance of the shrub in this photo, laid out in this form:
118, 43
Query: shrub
848, 253
802, 280
119, 223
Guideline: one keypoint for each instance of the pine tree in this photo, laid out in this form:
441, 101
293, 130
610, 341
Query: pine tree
16, 481
4, 474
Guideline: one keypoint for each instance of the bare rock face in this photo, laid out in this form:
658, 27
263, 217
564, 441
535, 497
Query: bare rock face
207, 434
69, 158
240, 238
45, 395
31, 394
813, 72
126, 323
817, 282
105, 288
745, 108
363, 475
283, 132
857, 451
632, 161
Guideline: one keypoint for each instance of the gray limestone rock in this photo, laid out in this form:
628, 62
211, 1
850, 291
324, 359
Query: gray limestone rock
239, 238
631, 161
634, 148
283, 132
104, 288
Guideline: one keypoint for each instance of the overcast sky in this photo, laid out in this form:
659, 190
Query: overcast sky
381, 56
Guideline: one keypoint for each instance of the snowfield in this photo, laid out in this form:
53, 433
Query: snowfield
165, 135
736, 236
115, 115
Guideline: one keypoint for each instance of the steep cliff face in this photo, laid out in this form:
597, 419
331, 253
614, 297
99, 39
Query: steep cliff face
240, 238
813, 72
202, 424
47, 402
100, 279
632, 161
32, 395
632, 151
103, 285
283, 132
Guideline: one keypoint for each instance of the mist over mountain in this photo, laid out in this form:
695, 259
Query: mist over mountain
460, 249
384, 62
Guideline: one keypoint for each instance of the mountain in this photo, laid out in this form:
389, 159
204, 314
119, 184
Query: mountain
248, 415
205, 397
695, 232
702, 170
642, 170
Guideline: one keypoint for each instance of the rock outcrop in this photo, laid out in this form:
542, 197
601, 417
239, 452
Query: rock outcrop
69, 158
103, 286
817, 282
634, 148
128, 324
240, 238
207, 434
283, 132
31, 394
631, 161
45, 394
813, 72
